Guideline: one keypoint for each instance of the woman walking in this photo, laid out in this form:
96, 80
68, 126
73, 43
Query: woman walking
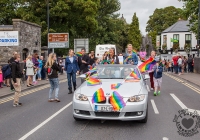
16, 78
71, 67
153, 54
29, 70
52, 72
39, 69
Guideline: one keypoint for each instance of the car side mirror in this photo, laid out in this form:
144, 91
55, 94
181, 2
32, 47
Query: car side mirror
83, 76
146, 77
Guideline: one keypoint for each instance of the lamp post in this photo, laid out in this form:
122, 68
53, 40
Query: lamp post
48, 25
198, 37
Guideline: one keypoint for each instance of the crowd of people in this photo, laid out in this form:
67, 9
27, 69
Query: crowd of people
179, 64
37, 69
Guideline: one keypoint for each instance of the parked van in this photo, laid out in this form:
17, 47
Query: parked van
101, 49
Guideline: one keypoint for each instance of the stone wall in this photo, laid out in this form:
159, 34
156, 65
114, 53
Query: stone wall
29, 40
197, 65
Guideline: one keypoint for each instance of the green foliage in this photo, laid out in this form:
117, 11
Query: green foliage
93, 19
191, 8
153, 35
134, 34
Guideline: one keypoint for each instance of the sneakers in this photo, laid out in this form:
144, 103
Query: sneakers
57, 100
17, 105
158, 92
70, 92
50, 100
155, 94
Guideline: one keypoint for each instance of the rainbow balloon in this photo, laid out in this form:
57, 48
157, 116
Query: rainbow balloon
115, 86
98, 96
117, 101
79, 54
147, 65
93, 81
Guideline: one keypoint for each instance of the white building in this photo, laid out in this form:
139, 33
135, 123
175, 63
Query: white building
179, 31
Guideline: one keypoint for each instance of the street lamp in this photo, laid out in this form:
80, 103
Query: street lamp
48, 25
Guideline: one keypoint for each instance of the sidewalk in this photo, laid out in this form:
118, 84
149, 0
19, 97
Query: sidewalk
5, 91
193, 78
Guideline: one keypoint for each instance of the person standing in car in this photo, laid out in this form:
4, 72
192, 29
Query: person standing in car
71, 67
112, 57
16, 79
92, 58
133, 57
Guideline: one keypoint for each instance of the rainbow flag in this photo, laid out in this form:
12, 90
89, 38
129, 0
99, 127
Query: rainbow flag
128, 58
147, 65
112, 62
142, 59
115, 86
135, 75
93, 81
134, 51
79, 54
117, 101
98, 96
131, 80
90, 67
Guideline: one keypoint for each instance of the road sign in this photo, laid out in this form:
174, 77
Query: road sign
58, 40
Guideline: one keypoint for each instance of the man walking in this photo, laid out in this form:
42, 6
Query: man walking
71, 67
12, 59
133, 57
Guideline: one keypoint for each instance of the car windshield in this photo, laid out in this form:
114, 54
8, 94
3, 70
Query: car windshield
114, 71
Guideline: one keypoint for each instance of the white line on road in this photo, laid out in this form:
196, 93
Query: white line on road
44, 122
154, 107
178, 101
164, 138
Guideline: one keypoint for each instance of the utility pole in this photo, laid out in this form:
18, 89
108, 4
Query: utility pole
198, 37
48, 25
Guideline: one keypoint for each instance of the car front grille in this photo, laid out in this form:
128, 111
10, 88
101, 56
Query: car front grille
107, 114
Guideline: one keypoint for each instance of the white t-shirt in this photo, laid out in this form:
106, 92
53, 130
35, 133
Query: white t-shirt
180, 61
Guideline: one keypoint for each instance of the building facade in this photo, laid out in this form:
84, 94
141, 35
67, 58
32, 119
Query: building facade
28, 39
179, 34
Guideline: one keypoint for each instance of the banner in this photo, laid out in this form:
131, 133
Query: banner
9, 38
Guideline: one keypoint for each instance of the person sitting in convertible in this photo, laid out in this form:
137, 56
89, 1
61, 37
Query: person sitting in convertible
126, 72
107, 74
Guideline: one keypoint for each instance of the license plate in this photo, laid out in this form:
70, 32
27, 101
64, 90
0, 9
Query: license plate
103, 108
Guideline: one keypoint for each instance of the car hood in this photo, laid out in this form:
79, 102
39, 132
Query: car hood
125, 90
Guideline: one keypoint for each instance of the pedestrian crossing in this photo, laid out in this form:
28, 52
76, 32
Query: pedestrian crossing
183, 82
10, 98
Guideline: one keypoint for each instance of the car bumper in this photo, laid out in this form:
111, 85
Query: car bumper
128, 113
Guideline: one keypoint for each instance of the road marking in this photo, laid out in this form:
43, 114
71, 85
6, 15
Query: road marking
7, 99
44, 122
178, 101
165, 138
154, 107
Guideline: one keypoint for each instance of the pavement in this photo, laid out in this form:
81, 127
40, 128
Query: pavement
39, 119
5, 91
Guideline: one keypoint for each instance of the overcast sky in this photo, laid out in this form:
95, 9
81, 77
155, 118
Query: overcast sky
143, 9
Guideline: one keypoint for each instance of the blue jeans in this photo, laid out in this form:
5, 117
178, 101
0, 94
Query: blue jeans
39, 73
180, 69
54, 82
73, 77
43, 73
176, 69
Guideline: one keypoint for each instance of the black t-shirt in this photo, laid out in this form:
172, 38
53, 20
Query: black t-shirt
54, 72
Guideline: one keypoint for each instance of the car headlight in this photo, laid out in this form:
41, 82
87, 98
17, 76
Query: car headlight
81, 97
137, 98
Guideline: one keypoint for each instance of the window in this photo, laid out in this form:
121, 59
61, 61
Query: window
165, 39
176, 37
176, 41
188, 39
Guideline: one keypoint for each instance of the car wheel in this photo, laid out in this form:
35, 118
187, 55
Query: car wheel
77, 119
146, 117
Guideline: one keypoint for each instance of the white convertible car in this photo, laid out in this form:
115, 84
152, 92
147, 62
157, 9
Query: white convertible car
133, 94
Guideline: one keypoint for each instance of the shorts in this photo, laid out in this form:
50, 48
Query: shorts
157, 82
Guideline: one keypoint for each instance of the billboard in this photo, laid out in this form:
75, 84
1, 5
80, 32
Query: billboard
9, 38
58, 40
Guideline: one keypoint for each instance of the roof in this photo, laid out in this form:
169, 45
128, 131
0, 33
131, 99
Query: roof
180, 26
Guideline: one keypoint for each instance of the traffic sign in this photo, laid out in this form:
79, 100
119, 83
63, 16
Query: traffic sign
58, 40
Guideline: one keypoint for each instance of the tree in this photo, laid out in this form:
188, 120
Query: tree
191, 8
153, 35
134, 35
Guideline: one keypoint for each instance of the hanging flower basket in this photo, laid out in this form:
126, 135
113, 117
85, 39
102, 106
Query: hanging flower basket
187, 48
164, 47
176, 47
